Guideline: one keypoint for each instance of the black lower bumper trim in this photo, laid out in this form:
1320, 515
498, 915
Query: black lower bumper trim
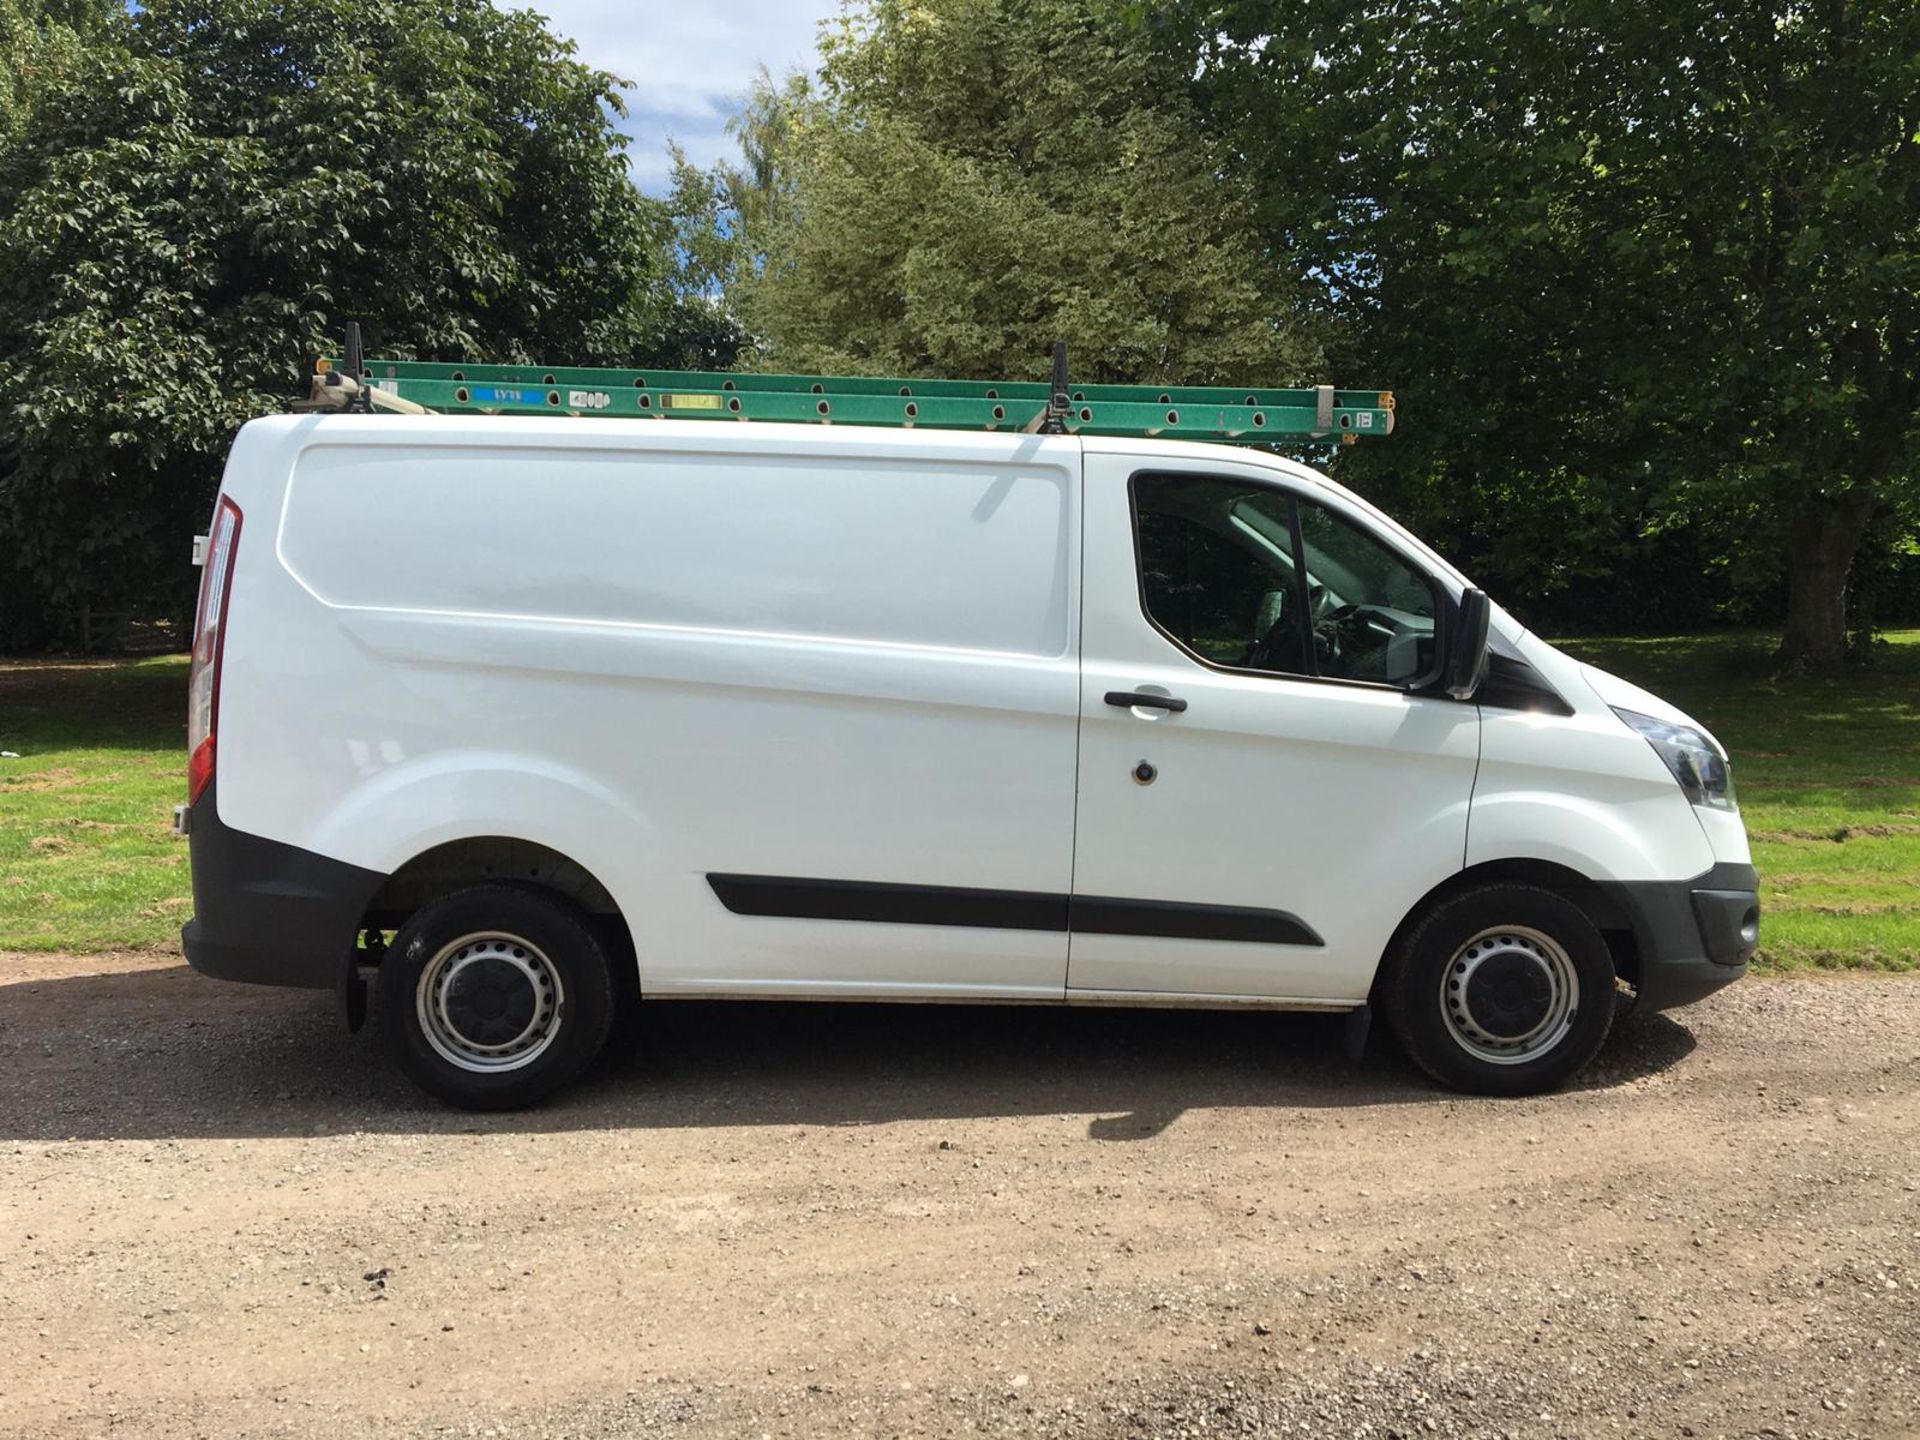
1691, 936
267, 913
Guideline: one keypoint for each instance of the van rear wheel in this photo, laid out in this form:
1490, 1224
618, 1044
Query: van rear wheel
1501, 990
494, 997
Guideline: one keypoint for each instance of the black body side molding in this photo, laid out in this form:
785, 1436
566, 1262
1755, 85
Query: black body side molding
1178, 920
796, 898
789, 898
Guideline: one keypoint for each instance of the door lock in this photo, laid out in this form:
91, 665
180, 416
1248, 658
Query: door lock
1144, 773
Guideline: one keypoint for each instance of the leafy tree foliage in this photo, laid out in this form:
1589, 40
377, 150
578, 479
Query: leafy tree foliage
971, 179
717, 211
708, 248
190, 214
39, 42
1628, 263
1645, 273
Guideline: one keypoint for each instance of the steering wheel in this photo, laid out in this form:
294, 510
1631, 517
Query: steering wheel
1279, 648
1333, 632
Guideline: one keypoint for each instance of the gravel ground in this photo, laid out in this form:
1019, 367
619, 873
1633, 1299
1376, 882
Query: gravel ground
220, 1215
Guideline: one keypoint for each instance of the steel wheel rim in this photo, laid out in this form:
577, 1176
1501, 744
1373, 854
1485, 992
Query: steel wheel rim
1525, 968
455, 1026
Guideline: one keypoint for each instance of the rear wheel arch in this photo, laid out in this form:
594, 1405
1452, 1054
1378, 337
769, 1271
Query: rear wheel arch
485, 859
457, 865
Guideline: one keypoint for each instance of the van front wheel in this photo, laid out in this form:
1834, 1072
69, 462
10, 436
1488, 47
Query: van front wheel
1501, 990
494, 997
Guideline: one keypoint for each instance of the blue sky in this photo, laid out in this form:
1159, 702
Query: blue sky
687, 63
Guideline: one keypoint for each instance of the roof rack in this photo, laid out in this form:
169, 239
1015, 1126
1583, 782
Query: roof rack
1174, 411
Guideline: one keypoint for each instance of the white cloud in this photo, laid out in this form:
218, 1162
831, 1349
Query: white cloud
686, 64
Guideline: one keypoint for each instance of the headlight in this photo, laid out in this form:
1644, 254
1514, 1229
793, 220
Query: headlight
1695, 759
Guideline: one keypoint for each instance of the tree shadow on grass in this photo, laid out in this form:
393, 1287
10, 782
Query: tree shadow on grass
165, 1053
93, 705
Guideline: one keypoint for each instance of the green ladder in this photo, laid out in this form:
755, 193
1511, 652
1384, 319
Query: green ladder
1175, 411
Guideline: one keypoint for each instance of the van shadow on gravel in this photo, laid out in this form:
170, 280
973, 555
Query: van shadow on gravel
164, 1053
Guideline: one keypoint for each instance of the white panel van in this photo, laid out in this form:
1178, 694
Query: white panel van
530, 713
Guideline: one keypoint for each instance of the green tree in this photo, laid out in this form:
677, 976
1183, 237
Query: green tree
760, 188
189, 215
1624, 260
717, 210
40, 40
972, 179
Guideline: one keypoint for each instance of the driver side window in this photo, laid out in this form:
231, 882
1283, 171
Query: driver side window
1218, 577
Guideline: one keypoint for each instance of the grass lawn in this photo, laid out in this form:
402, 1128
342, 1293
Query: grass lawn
1828, 774
88, 859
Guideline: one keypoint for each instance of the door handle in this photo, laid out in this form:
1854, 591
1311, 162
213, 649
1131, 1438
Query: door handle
1128, 699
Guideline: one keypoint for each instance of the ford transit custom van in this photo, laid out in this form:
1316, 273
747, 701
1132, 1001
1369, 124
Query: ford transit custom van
531, 712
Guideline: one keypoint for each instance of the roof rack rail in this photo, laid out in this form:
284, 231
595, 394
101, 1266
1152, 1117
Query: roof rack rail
1247, 416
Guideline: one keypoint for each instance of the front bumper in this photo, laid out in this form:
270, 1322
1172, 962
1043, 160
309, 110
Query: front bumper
268, 913
1691, 937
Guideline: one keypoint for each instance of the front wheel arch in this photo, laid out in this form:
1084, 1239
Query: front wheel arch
1569, 884
1504, 988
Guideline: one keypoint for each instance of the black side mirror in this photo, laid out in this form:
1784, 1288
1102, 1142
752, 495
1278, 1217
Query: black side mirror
1467, 655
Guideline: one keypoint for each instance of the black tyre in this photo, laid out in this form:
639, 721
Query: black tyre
495, 997
1501, 990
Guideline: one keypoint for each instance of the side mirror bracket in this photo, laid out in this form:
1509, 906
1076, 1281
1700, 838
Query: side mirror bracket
1467, 652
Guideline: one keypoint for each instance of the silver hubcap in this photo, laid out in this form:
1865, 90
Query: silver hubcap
490, 1002
1509, 994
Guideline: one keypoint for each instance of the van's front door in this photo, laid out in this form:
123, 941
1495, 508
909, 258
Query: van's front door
1261, 799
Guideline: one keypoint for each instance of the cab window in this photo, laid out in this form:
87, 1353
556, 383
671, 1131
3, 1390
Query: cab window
1218, 575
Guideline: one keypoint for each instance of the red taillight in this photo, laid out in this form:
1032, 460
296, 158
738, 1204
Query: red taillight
199, 769
209, 643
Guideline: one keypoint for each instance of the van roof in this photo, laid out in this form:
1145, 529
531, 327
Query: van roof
686, 436
557, 432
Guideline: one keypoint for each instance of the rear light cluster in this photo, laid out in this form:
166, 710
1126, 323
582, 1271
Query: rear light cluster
209, 641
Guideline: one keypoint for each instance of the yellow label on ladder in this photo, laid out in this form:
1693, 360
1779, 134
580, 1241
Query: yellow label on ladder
690, 402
